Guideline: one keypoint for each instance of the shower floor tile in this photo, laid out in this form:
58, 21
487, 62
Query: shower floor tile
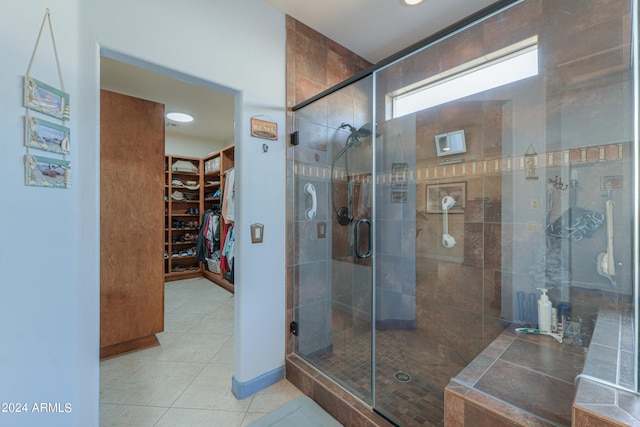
429, 364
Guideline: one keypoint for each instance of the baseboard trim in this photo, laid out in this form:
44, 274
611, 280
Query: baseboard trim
245, 389
127, 346
218, 280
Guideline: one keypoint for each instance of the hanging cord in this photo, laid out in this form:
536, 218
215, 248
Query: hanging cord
395, 150
47, 18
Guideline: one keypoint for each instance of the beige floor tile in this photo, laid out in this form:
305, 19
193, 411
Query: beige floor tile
186, 380
225, 354
179, 322
217, 371
129, 416
274, 396
114, 371
251, 417
158, 383
190, 347
200, 418
214, 323
207, 393
149, 353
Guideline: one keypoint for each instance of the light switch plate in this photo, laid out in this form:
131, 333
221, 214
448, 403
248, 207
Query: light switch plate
257, 233
322, 229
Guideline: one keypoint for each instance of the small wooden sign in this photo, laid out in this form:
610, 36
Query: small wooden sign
263, 129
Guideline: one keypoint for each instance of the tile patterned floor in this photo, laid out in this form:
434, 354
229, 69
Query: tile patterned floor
431, 365
186, 381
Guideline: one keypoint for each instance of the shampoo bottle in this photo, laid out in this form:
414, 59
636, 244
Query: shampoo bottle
544, 311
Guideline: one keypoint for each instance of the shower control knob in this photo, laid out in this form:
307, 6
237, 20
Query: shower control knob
343, 216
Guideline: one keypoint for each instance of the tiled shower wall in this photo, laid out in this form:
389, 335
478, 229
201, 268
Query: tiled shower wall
314, 64
572, 117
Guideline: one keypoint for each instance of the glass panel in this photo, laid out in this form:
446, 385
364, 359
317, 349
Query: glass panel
474, 202
542, 198
332, 285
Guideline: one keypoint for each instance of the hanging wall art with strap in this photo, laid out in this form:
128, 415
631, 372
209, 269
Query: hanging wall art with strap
400, 174
43, 134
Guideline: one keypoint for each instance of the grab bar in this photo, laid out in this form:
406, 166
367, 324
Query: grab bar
310, 213
447, 239
357, 238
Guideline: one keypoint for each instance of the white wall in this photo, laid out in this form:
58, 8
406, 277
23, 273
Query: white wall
49, 258
184, 145
240, 46
48, 250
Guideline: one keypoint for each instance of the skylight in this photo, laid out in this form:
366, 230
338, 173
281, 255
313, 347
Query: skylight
508, 65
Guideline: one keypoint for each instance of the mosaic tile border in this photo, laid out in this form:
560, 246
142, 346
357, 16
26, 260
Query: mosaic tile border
576, 156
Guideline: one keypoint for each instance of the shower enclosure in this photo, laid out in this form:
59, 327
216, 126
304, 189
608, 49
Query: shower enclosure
434, 195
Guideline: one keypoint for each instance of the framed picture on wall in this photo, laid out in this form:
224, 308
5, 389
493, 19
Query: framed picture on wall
39, 96
436, 192
399, 176
46, 136
399, 197
47, 172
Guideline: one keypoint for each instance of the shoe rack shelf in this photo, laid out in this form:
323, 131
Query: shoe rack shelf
183, 205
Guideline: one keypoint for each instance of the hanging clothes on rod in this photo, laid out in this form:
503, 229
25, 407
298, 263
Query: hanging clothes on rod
227, 242
228, 196
209, 235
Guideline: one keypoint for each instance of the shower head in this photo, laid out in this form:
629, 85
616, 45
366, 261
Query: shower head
364, 131
353, 140
345, 214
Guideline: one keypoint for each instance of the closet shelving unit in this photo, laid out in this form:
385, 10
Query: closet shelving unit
216, 165
210, 176
182, 219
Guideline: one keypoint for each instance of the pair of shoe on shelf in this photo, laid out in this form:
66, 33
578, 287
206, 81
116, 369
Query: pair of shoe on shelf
190, 237
186, 238
189, 252
183, 253
188, 224
193, 211
179, 268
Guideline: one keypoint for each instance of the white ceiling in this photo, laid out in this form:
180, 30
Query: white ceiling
373, 29
376, 29
212, 110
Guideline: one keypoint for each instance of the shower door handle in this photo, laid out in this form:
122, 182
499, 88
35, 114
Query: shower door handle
357, 237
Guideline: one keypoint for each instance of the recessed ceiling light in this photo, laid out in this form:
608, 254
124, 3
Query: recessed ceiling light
180, 117
410, 2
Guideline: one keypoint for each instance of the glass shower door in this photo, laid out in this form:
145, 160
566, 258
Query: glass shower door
423, 240
331, 180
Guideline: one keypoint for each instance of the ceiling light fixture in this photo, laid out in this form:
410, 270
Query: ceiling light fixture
410, 2
179, 117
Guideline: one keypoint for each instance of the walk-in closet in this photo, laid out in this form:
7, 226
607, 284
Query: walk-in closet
167, 200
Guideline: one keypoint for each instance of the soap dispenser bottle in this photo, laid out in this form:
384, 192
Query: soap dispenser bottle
544, 311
